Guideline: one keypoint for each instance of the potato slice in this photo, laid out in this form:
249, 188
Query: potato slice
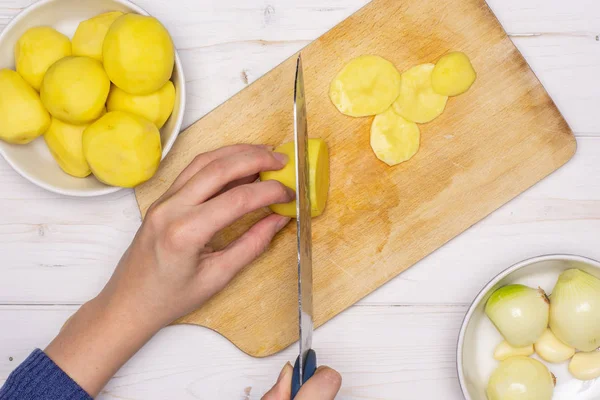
367, 85
393, 138
417, 101
318, 163
453, 74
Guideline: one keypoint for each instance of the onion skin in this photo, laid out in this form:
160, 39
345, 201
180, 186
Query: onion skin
520, 313
520, 378
575, 310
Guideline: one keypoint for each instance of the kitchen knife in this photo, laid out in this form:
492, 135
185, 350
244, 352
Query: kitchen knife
306, 363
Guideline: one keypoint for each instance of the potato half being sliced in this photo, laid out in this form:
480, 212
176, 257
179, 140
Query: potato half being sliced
453, 74
418, 102
318, 164
366, 86
393, 138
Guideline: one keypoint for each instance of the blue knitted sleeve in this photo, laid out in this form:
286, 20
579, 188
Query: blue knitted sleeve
38, 377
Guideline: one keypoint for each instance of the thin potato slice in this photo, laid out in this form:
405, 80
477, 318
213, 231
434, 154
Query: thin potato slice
394, 139
453, 74
417, 101
366, 86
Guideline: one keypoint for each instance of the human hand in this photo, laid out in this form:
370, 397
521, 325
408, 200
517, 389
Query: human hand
169, 270
323, 385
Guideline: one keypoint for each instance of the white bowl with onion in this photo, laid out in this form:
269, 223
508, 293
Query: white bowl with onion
479, 337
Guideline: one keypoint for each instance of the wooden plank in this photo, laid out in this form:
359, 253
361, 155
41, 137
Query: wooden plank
380, 352
489, 146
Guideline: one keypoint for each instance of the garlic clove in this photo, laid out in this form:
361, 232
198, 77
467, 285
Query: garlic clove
551, 349
505, 350
585, 366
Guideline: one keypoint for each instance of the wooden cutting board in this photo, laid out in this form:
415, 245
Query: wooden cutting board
491, 144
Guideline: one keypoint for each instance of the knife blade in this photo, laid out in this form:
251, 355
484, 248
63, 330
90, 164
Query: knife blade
306, 356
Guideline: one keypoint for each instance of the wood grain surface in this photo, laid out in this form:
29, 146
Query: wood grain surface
491, 144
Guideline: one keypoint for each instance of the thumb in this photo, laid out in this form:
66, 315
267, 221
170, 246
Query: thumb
323, 385
283, 387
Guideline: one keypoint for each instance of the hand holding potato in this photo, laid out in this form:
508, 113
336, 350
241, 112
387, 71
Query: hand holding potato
170, 268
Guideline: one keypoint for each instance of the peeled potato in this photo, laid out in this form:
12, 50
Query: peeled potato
75, 89
138, 54
89, 36
394, 139
37, 50
22, 114
122, 149
65, 142
156, 107
453, 74
417, 101
367, 85
318, 160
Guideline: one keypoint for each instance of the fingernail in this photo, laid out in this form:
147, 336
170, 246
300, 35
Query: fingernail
282, 158
284, 371
282, 223
266, 146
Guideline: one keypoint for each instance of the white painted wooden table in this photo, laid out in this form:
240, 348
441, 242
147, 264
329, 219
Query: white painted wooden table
399, 343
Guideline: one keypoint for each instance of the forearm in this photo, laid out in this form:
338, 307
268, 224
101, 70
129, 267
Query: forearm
98, 340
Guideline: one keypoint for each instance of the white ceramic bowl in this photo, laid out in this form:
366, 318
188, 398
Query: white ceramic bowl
478, 337
34, 161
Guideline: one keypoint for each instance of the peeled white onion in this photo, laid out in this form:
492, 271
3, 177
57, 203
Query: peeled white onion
521, 378
519, 312
575, 310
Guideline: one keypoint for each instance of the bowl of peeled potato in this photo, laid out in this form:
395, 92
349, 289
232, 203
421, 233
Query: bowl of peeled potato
92, 95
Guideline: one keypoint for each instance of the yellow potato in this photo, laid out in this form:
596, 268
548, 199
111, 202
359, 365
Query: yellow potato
37, 50
394, 139
138, 54
367, 85
89, 36
122, 149
156, 107
417, 101
65, 142
22, 115
318, 160
75, 89
453, 74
